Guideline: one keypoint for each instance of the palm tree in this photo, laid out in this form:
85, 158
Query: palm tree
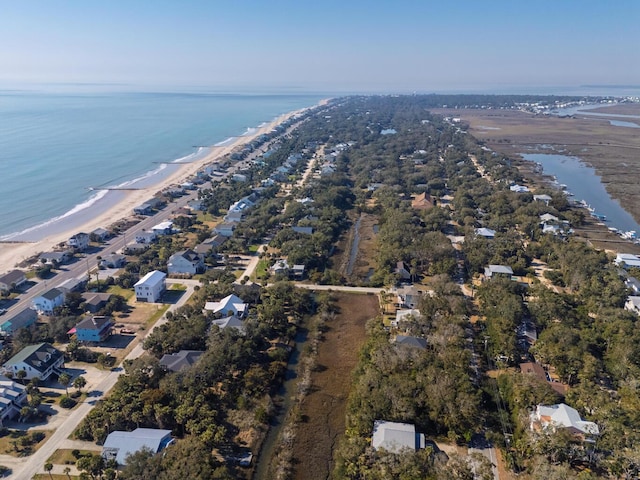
47, 468
64, 379
67, 471
79, 382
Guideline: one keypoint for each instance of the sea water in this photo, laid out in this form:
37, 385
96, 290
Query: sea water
56, 147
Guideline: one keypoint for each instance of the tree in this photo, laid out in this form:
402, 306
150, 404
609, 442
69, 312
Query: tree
79, 382
67, 471
21, 374
47, 468
64, 379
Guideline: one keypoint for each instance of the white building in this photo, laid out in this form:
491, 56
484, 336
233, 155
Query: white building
48, 301
229, 305
633, 304
561, 415
185, 262
163, 228
150, 287
396, 437
626, 260
146, 237
80, 241
12, 397
38, 361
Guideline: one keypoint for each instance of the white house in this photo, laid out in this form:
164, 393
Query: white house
150, 287
633, 304
547, 217
163, 228
185, 262
396, 437
80, 241
485, 232
12, 397
225, 229
12, 279
231, 304
561, 415
38, 361
519, 188
48, 301
146, 237
626, 260
542, 198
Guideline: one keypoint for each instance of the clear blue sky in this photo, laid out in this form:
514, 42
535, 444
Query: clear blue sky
346, 45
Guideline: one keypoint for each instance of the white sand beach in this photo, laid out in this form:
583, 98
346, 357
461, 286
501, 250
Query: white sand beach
11, 254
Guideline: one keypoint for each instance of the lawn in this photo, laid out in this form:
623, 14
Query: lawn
11, 443
126, 293
64, 456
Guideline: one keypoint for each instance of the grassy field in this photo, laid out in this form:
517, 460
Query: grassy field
323, 410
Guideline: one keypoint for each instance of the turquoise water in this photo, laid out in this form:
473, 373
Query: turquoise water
55, 146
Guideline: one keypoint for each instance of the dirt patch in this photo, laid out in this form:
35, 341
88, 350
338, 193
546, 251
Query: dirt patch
323, 410
365, 258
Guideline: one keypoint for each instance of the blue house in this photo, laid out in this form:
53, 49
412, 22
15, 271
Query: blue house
93, 329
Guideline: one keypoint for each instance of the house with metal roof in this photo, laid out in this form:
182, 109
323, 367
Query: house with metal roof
396, 437
229, 305
230, 322
411, 342
553, 417
38, 361
150, 287
498, 271
119, 445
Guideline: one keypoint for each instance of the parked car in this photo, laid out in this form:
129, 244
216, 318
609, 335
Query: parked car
127, 331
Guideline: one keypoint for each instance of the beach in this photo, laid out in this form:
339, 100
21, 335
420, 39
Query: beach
14, 253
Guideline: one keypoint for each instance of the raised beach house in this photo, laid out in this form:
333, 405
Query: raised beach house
79, 242
11, 280
150, 287
48, 301
12, 397
23, 319
94, 329
185, 262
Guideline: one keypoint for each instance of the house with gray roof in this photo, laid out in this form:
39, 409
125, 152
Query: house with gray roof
174, 362
411, 342
119, 444
13, 396
185, 262
396, 437
230, 322
38, 361
93, 329
58, 258
95, 301
48, 301
23, 319
11, 280
113, 260
498, 271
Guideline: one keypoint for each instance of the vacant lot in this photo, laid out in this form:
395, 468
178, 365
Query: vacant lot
323, 410
613, 151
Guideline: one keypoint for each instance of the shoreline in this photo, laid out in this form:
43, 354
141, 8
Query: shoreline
14, 252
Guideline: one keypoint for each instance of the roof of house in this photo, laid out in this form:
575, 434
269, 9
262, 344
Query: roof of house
485, 232
305, 230
96, 322
24, 318
127, 443
413, 342
563, 415
152, 278
230, 302
634, 300
547, 217
395, 437
14, 276
52, 294
423, 200
402, 314
178, 361
543, 197
189, 255
38, 357
9, 391
229, 322
492, 269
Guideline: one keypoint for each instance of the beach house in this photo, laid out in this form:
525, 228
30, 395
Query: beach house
23, 319
113, 260
79, 242
554, 417
185, 262
150, 287
146, 237
230, 322
491, 271
163, 228
12, 398
48, 301
93, 329
174, 362
38, 361
11, 280
627, 260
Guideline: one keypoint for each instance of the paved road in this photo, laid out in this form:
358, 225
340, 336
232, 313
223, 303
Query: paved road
35, 463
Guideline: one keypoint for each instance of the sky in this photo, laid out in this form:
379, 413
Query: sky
323, 45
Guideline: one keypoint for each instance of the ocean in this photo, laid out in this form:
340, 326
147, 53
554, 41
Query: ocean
56, 146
